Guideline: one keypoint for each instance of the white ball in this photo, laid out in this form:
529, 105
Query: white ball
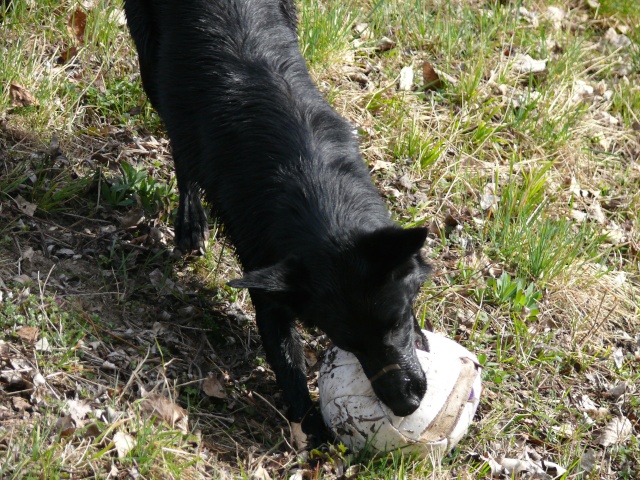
356, 415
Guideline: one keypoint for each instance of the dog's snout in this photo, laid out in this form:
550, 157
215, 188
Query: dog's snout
402, 390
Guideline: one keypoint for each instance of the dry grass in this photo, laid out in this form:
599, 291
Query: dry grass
527, 179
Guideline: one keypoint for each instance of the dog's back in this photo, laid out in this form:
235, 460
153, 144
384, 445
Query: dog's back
255, 134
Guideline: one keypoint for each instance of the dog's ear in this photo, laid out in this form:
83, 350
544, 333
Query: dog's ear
286, 276
392, 246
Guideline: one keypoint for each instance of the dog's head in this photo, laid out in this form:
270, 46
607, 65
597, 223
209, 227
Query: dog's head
361, 295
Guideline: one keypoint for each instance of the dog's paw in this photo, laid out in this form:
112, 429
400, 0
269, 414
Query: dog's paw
192, 230
191, 242
315, 430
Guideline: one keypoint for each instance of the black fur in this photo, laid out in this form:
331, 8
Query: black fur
282, 170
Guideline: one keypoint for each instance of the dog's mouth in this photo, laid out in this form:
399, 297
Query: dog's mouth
400, 389
383, 371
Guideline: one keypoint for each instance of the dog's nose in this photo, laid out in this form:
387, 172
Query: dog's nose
401, 392
409, 406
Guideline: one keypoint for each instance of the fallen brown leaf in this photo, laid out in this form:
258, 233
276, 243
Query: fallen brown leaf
382, 165
25, 207
385, 44
28, 334
20, 96
42, 345
165, 409
68, 54
132, 218
77, 24
588, 460
213, 387
20, 404
298, 437
92, 430
27, 254
430, 77
124, 443
615, 39
260, 473
64, 426
523, 63
617, 431
77, 410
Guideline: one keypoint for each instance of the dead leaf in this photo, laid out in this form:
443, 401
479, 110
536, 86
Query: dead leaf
594, 211
616, 40
260, 473
38, 380
165, 286
20, 404
77, 410
64, 426
578, 215
54, 146
67, 55
588, 460
42, 345
585, 404
27, 254
405, 181
525, 64
28, 334
430, 77
382, 165
362, 30
134, 110
310, 357
166, 410
435, 228
617, 431
132, 218
582, 91
26, 207
77, 24
617, 391
298, 437
22, 279
488, 197
108, 365
21, 97
614, 234
618, 357
406, 79
124, 443
302, 474
531, 466
605, 119
213, 387
385, 44
555, 16
531, 17
358, 77
565, 430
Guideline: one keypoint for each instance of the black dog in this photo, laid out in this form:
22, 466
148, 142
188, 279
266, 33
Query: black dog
282, 171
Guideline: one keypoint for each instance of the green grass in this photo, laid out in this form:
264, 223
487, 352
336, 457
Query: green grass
529, 190
325, 29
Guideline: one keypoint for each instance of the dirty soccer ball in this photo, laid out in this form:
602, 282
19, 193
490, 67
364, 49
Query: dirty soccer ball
354, 413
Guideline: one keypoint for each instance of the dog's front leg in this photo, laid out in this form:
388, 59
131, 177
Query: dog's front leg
283, 346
